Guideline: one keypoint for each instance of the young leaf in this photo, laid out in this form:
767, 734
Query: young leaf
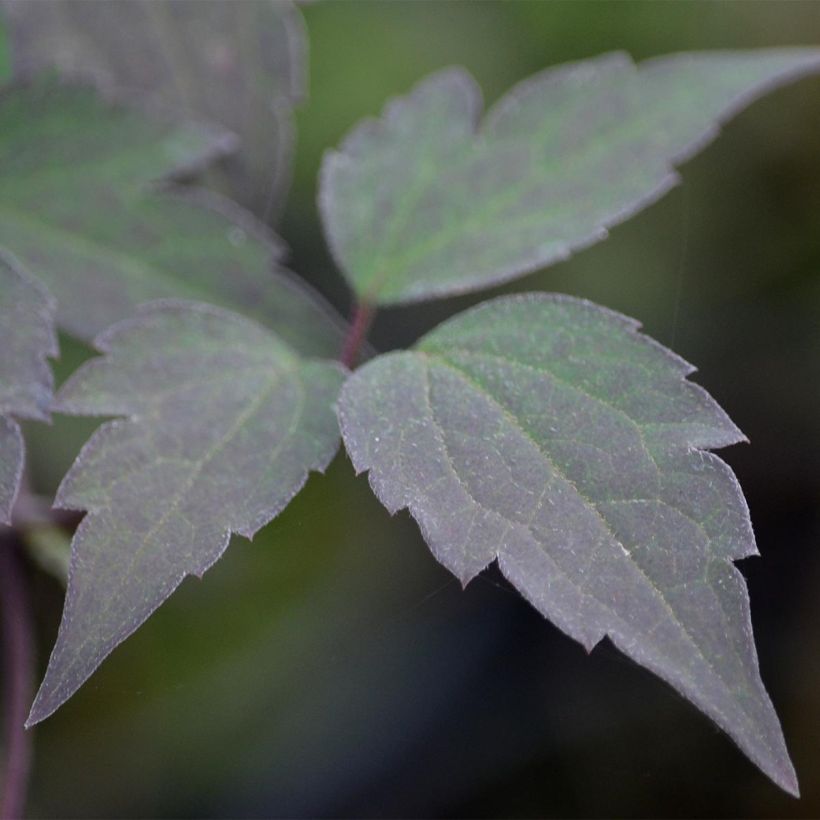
425, 203
547, 433
28, 339
218, 61
74, 206
224, 423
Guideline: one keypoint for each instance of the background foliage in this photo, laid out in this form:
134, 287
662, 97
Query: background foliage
332, 667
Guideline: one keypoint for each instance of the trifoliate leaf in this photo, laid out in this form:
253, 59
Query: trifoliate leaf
224, 422
242, 65
426, 202
28, 339
547, 433
75, 208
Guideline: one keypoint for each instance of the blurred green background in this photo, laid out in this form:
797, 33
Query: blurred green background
331, 667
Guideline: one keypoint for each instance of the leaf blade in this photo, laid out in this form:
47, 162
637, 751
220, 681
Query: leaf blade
29, 339
215, 61
425, 202
75, 207
548, 434
224, 423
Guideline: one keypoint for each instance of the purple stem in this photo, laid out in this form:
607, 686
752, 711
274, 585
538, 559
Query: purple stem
359, 325
18, 662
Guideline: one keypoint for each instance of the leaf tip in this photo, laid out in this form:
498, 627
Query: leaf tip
40, 710
782, 774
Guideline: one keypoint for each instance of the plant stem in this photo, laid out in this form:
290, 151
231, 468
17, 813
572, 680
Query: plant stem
363, 315
17, 635
35, 510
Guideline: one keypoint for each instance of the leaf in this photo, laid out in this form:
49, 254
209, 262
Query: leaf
74, 207
547, 433
242, 65
425, 203
5, 57
28, 339
223, 424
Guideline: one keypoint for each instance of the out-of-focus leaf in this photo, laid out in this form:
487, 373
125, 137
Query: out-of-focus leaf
547, 433
27, 339
224, 424
5, 59
424, 202
239, 64
75, 208
50, 547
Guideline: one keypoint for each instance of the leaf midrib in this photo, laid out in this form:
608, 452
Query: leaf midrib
589, 504
540, 174
274, 379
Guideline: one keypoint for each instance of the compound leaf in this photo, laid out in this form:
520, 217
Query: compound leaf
425, 203
224, 422
75, 208
28, 339
242, 65
547, 433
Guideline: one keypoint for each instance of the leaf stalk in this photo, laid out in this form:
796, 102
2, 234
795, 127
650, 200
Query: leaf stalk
363, 315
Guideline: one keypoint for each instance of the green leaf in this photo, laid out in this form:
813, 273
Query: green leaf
28, 339
547, 433
75, 207
221, 61
5, 57
224, 422
425, 202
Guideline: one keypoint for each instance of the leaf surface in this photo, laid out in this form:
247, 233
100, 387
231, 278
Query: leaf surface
546, 433
425, 202
242, 65
28, 339
224, 422
75, 207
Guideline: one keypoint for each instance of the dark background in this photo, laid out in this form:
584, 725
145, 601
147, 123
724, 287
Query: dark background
332, 668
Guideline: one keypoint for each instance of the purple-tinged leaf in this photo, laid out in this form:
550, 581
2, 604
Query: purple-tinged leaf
75, 207
27, 337
223, 423
548, 434
239, 64
425, 202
